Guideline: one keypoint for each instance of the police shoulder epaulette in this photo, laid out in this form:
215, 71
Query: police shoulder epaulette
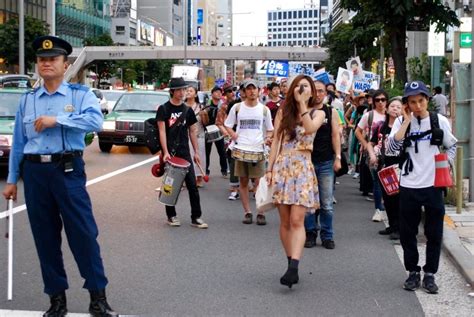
79, 87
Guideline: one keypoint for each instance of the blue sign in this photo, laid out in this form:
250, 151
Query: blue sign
200, 16
220, 82
324, 77
278, 68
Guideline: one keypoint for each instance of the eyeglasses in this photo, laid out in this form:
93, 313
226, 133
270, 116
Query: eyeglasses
380, 99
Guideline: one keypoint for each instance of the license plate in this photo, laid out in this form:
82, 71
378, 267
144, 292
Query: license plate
130, 139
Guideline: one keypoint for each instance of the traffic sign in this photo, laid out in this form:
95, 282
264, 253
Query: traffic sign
465, 40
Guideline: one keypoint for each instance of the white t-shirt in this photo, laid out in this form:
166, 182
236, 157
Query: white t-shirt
423, 174
364, 122
249, 121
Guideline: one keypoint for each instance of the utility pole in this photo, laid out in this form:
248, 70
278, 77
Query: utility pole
185, 30
471, 142
21, 53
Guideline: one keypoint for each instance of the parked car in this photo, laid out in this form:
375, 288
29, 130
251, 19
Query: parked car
15, 81
111, 96
125, 125
9, 102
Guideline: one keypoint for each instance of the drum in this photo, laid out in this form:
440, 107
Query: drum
213, 133
389, 178
175, 171
248, 154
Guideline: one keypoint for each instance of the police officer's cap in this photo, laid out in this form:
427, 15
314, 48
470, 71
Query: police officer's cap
49, 46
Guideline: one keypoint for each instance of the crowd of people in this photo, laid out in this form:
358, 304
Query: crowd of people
314, 134
296, 141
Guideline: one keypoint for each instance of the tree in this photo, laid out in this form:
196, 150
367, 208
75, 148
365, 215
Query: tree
396, 15
344, 38
419, 68
103, 69
9, 35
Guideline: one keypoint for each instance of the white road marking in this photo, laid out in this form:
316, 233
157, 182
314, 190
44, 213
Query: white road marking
18, 209
25, 313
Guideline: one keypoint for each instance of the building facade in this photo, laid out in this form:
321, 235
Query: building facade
34, 8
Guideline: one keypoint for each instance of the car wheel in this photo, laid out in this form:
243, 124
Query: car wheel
105, 147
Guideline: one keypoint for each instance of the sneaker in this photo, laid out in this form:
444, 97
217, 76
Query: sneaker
429, 284
174, 222
386, 231
247, 218
198, 223
328, 244
412, 282
310, 239
334, 200
395, 235
224, 175
355, 176
378, 216
261, 221
368, 198
234, 195
350, 171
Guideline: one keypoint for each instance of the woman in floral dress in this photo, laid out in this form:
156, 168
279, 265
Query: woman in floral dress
290, 170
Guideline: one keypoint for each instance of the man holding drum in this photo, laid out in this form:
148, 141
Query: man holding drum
176, 144
254, 124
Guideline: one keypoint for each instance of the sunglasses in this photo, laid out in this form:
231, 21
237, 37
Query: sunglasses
380, 99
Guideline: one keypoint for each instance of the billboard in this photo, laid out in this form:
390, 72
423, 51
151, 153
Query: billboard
147, 32
159, 38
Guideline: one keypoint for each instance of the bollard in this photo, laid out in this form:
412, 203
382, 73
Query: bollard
459, 167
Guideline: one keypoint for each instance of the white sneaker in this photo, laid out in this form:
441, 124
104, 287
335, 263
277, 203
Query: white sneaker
378, 216
198, 223
351, 171
174, 222
356, 175
234, 195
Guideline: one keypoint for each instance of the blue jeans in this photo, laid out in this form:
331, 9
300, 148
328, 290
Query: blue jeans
377, 190
325, 176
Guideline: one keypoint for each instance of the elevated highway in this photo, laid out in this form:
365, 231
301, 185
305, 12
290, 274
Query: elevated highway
84, 56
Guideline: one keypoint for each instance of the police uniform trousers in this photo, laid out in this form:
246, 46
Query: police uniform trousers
55, 198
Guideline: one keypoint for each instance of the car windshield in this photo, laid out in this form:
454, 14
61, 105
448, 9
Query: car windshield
9, 102
140, 102
112, 95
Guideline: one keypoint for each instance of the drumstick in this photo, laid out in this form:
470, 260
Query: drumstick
205, 177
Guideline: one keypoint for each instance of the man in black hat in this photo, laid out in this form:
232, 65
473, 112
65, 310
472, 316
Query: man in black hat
175, 142
50, 126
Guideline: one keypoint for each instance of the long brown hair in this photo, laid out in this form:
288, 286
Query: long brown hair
290, 116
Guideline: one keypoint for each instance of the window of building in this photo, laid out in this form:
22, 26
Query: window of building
305, 14
284, 35
310, 13
279, 36
300, 35
133, 33
269, 16
315, 34
279, 15
289, 35
279, 29
299, 23
284, 15
310, 42
299, 29
279, 43
284, 23
274, 16
299, 43
279, 23
119, 30
300, 14
305, 28
305, 43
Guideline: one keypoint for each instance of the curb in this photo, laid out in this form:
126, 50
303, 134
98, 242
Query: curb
462, 259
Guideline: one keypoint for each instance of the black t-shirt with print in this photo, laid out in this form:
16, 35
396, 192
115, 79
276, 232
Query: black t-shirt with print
177, 138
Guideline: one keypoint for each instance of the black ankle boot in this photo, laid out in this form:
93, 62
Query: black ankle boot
290, 277
58, 306
99, 306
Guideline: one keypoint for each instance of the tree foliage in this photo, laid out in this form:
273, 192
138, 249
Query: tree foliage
102, 69
419, 68
9, 35
396, 15
345, 39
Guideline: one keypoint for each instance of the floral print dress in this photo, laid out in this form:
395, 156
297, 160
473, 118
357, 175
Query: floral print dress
293, 175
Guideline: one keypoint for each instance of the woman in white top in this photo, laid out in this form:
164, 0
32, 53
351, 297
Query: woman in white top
192, 102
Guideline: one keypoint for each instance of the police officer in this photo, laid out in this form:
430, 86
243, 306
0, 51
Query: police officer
48, 141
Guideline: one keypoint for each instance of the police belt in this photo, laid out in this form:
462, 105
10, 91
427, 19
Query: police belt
49, 158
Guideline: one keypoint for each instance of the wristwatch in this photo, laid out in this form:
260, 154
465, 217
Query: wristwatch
338, 157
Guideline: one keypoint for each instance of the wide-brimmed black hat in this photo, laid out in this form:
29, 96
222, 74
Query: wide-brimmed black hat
177, 83
49, 46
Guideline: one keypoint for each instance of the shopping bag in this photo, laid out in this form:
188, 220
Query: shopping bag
263, 196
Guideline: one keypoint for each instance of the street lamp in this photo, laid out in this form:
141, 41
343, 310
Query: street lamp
143, 78
121, 74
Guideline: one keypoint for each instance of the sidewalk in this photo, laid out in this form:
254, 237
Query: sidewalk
458, 240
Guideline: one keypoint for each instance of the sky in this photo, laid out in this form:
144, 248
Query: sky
251, 25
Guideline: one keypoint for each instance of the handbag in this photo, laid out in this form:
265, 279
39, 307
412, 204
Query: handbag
344, 166
264, 196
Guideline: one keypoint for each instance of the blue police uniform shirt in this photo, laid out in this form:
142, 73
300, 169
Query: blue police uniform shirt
77, 111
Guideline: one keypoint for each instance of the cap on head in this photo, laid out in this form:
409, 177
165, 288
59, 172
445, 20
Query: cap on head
227, 88
177, 83
415, 88
216, 88
250, 82
49, 46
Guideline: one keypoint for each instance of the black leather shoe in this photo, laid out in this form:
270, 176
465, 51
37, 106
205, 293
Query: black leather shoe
58, 306
99, 306
310, 239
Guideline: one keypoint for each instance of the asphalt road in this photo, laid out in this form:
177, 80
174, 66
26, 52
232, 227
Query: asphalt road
228, 269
